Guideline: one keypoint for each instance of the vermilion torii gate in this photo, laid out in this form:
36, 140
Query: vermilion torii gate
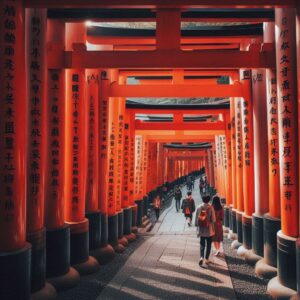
75, 161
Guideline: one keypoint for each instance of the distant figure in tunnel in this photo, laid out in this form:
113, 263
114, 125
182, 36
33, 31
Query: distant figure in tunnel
205, 219
177, 196
188, 207
157, 206
219, 211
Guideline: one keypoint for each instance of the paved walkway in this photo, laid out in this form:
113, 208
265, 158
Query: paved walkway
165, 266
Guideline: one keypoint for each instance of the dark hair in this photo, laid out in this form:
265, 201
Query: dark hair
189, 193
206, 198
216, 203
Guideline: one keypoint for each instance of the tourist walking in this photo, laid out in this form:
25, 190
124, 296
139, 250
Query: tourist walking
177, 196
157, 206
205, 219
188, 207
219, 212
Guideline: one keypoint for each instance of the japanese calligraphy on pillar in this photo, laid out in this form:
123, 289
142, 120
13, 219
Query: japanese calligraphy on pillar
131, 163
126, 163
287, 109
273, 126
112, 155
138, 165
120, 149
36, 30
12, 125
143, 177
238, 129
55, 144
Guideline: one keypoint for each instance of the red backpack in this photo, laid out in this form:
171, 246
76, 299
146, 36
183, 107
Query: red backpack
203, 218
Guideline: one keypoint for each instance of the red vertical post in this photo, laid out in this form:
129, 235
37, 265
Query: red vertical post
14, 252
35, 32
272, 225
58, 233
285, 44
76, 156
248, 158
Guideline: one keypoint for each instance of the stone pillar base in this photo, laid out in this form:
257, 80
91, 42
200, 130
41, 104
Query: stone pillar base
241, 251
263, 270
251, 258
15, 274
279, 291
258, 234
104, 254
239, 226
90, 266
79, 243
247, 232
235, 245
286, 258
94, 229
113, 233
58, 270
131, 237
46, 293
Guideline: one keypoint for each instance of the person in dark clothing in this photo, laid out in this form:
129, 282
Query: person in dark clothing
188, 207
205, 219
177, 196
157, 205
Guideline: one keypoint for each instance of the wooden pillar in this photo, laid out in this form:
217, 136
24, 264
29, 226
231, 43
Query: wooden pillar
76, 156
14, 251
285, 43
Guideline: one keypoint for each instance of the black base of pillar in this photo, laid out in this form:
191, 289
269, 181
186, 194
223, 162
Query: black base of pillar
145, 205
247, 231
139, 217
94, 229
258, 234
286, 258
127, 220
230, 218
233, 221
38, 259
15, 274
104, 230
134, 228
271, 227
79, 249
120, 224
239, 225
226, 216
298, 265
113, 230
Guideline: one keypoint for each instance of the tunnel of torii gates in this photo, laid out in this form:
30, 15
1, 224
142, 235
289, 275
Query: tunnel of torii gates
78, 164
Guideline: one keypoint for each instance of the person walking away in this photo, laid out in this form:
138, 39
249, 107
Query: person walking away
189, 183
177, 196
188, 207
157, 205
205, 219
219, 211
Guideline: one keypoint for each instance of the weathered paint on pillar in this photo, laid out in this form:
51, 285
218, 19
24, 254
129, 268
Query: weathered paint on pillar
13, 112
287, 119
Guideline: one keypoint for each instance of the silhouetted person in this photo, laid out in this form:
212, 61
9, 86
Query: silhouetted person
219, 211
177, 196
205, 219
188, 207
157, 205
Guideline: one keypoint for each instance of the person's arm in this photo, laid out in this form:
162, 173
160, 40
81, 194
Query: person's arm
213, 215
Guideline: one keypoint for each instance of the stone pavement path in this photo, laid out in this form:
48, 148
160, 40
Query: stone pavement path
165, 266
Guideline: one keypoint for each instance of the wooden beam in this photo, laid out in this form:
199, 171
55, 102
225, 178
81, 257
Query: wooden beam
159, 3
138, 125
176, 90
200, 111
171, 59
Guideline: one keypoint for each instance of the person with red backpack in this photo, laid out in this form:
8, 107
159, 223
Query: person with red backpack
205, 219
188, 207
